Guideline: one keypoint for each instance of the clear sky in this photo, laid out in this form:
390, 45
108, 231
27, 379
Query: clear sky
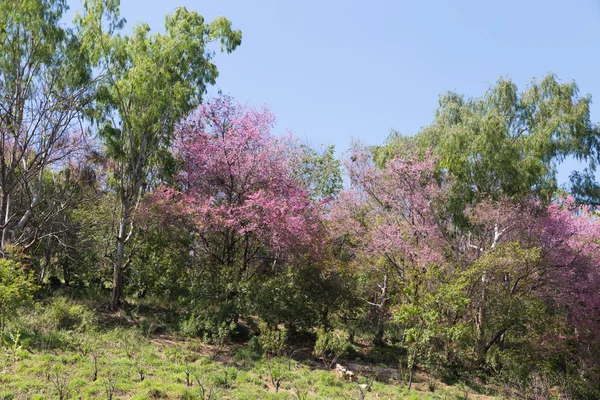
334, 70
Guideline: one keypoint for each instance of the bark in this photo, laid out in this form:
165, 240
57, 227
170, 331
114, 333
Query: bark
378, 340
480, 319
46, 262
6, 208
119, 262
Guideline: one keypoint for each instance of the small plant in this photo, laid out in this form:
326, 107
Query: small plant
364, 388
110, 385
188, 383
207, 392
140, 372
300, 395
433, 372
362, 391
290, 356
218, 338
274, 374
128, 340
539, 387
14, 345
95, 374
89, 345
432, 382
16, 288
60, 382
254, 345
273, 341
228, 373
330, 345
63, 313
464, 389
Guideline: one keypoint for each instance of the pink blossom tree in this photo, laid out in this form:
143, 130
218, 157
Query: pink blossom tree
524, 253
514, 259
238, 192
390, 217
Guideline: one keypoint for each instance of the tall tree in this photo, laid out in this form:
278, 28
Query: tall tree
152, 81
44, 83
238, 191
585, 188
389, 218
513, 267
507, 142
320, 172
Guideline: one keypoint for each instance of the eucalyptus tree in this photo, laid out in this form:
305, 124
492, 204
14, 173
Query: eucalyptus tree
152, 81
44, 84
320, 172
507, 142
585, 188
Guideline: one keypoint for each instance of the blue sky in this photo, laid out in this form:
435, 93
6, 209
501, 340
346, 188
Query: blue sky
334, 71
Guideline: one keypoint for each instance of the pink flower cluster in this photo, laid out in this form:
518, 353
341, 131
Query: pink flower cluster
238, 178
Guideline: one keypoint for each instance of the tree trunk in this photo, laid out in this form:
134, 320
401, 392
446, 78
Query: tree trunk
66, 273
46, 262
6, 209
378, 340
381, 312
119, 264
480, 320
117, 289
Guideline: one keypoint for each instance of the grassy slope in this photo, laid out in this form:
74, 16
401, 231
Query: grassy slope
61, 349
40, 373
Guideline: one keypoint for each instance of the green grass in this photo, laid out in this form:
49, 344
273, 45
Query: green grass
59, 350
122, 354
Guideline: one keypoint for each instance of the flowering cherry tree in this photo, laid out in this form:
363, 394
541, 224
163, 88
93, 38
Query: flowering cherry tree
390, 216
238, 191
515, 258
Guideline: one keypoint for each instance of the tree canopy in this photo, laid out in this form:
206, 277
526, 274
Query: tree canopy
453, 252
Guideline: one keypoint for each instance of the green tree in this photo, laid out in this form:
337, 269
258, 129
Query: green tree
584, 187
16, 287
320, 172
507, 142
152, 81
44, 83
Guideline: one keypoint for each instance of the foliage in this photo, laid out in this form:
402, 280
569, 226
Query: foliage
320, 172
151, 82
46, 81
330, 345
16, 288
507, 142
239, 196
449, 255
584, 187
273, 341
60, 313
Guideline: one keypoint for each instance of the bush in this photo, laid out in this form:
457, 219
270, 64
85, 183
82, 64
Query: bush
213, 327
386, 355
273, 341
254, 345
331, 345
16, 288
245, 355
64, 314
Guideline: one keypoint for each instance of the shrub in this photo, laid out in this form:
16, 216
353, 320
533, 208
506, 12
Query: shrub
273, 341
254, 345
62, 313
386, 355
213, 328
331, 345
16, 288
